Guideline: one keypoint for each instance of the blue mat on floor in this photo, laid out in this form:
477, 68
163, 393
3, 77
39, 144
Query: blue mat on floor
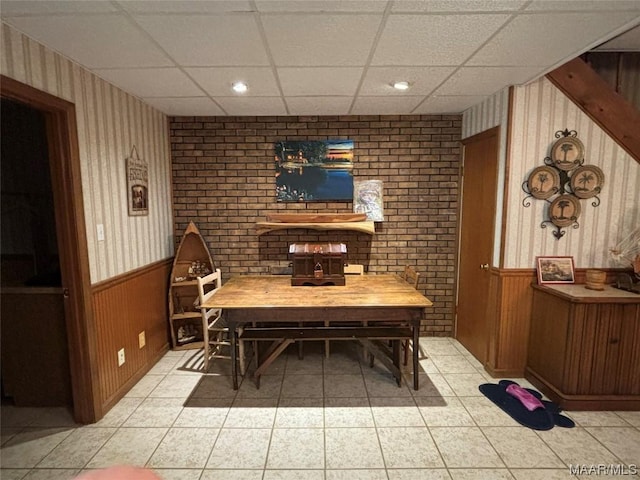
543, 418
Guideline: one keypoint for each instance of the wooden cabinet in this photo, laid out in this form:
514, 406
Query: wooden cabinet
584, 347
185, 320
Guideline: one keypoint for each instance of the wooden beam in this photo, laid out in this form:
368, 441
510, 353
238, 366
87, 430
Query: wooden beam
596, 98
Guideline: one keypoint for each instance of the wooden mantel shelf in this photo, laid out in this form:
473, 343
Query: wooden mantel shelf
352, 222
366, 226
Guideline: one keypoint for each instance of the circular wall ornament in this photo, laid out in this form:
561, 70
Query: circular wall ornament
567, 153
564, 181
587, 181
564, 210
543, 182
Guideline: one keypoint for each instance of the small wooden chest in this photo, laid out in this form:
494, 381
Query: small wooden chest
318, 263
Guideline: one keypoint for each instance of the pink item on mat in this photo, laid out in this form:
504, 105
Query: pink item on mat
530, 402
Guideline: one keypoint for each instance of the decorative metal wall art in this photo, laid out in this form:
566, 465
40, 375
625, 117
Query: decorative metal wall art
563, 181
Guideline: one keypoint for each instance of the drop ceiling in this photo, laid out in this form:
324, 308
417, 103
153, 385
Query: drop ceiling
322, 57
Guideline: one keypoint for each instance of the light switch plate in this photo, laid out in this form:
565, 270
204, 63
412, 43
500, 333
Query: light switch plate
100, 232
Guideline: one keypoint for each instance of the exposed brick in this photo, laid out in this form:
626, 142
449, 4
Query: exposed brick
223, 180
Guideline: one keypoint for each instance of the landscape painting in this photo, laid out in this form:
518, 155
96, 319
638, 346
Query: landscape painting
314, 170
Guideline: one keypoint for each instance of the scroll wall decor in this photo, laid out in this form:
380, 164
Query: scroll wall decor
563, 181
137, 184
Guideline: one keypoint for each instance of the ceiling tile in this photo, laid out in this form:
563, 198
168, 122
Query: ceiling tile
456, 6
384, 105
320, 40
95, 41
289, 6
207, 40
448, 104
22, 7
302, 81
379, 80
319, 105
252, 105
185, 106
565, 37
317, 52
434, 40
217, 81
486, 80
151, 82
186, 6
584, 5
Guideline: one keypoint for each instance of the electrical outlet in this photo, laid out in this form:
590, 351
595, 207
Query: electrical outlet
121, 357
142, 341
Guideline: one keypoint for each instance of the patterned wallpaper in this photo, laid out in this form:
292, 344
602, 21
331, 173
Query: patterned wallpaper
539, 110
484, 116
110, 123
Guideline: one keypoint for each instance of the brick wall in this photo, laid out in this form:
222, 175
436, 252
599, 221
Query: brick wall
223, 180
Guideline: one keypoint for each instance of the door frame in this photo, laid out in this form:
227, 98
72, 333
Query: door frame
485, 134
66, 182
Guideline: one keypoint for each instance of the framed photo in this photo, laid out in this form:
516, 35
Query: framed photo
555, 270
314, 170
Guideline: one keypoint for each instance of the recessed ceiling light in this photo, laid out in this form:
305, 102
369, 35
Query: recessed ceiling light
401, 85
240, 87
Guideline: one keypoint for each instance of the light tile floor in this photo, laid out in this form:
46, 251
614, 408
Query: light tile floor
316, 418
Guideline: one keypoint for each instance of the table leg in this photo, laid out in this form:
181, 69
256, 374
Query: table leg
389, 358
396, 360
416, 351
300, 346
272, 354
234, 341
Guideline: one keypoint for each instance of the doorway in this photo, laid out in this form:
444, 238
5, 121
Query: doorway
478, 216
33, 329
70, 238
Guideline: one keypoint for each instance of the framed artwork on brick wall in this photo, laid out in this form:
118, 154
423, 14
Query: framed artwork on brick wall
367, 198
137, 184
314, 170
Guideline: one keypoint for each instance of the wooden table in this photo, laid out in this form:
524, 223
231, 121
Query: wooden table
391, 308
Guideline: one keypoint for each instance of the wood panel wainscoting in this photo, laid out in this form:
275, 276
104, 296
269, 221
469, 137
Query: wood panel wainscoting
509, 318
124, 306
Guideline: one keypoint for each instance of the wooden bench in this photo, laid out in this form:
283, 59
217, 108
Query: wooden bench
369, 337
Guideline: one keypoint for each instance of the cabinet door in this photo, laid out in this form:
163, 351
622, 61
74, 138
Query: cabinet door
550, 325
602, 349
629, 366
